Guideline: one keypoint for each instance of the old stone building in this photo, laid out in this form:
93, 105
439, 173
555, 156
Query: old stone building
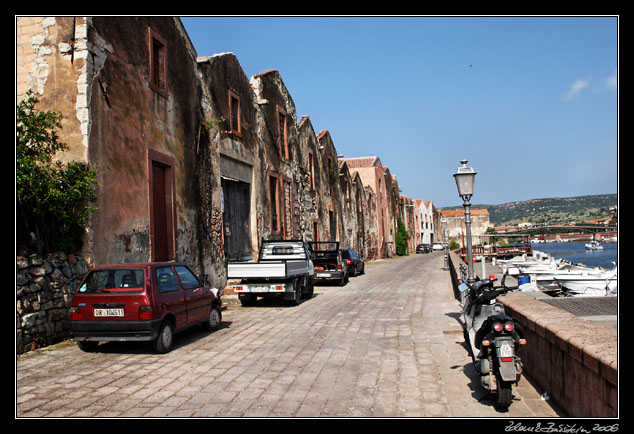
196, 162
372, 174
130, 100
454, 222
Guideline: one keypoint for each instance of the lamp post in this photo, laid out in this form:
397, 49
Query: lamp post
465, 178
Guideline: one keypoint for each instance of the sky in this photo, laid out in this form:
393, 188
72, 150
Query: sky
530, 101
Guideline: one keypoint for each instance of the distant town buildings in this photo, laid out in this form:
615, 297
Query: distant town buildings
453, 221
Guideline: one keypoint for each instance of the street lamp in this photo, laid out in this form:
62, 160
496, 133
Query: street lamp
465, 178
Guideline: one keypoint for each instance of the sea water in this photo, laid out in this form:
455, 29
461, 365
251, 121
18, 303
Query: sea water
576, 252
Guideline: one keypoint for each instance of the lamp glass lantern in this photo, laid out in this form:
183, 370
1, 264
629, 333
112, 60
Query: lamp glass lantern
465, 178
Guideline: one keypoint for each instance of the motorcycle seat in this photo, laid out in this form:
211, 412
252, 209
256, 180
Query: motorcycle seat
481, 283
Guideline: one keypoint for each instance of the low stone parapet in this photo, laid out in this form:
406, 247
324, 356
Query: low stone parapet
573, 360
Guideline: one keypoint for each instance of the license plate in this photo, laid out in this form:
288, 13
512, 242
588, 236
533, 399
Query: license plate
323, 274
108, 312
506, 351
259, 288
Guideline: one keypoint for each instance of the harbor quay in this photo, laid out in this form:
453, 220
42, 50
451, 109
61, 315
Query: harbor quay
388, 344
572, 350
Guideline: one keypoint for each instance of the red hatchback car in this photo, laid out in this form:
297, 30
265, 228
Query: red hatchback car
141, 302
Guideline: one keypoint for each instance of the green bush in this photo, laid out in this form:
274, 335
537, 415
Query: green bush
53, 199
401, 239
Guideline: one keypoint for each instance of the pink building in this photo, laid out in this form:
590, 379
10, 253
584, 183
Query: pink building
372, 173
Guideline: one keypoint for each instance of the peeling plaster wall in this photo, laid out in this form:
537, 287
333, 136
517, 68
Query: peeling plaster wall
129, 125
96, 71
50, 54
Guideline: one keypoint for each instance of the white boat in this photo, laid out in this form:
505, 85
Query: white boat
536, 259
605, 284
594, 245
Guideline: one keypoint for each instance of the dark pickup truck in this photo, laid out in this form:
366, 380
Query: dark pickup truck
328, 262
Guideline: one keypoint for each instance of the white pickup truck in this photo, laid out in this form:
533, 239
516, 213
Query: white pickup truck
284, 269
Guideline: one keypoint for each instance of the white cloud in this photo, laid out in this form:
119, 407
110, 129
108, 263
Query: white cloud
575, 89
611, 81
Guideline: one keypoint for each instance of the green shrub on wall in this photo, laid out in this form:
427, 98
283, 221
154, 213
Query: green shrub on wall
401, 239
53, 199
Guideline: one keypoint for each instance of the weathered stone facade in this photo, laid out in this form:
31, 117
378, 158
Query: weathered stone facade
454, 222
196, 162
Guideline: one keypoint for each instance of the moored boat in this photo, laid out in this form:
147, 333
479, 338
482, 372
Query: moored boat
605, 284
594, 245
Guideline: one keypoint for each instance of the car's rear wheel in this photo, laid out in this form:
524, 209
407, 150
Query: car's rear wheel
165, 340
88, 346
214, 320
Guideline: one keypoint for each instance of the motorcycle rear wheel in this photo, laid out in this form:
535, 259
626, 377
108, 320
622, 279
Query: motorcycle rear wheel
504, 395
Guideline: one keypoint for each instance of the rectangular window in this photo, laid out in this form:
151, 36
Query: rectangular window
235, 114
158, 63
282, 133
311, 168
166, 280
287, 209
273, 195
187, 278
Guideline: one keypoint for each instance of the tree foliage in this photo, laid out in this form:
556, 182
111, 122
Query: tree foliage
401, 239
53, 199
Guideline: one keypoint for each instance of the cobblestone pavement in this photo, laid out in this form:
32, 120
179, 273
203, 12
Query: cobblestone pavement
388, 344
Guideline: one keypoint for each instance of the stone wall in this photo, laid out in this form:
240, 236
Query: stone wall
43, 291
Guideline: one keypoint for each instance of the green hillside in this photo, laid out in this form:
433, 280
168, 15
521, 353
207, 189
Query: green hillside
557, 210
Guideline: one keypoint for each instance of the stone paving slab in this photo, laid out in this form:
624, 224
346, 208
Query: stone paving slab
387, 345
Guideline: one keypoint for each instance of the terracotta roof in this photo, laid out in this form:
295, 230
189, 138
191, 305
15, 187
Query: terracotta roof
362, 161
266, 72
460, 212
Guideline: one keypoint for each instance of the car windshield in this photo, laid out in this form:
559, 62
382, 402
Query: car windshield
116, 280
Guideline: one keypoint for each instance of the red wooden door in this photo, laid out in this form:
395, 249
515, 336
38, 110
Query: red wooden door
159, 223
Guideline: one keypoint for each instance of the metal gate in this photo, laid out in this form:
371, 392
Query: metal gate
235, 219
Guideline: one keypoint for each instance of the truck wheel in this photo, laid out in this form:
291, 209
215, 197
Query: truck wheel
310, 289
247, 300
298, 293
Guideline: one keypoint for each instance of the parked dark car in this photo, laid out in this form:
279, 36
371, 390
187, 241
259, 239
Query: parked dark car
354, 261
141, 302
328, 262
423, 248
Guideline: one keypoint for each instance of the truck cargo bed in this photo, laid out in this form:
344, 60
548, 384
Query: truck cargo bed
267, 269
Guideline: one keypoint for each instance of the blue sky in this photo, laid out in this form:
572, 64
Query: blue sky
531, 102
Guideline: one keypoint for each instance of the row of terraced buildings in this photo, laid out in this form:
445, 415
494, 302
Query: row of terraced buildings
197, 162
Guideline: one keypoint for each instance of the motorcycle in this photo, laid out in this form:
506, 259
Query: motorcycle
494, 338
